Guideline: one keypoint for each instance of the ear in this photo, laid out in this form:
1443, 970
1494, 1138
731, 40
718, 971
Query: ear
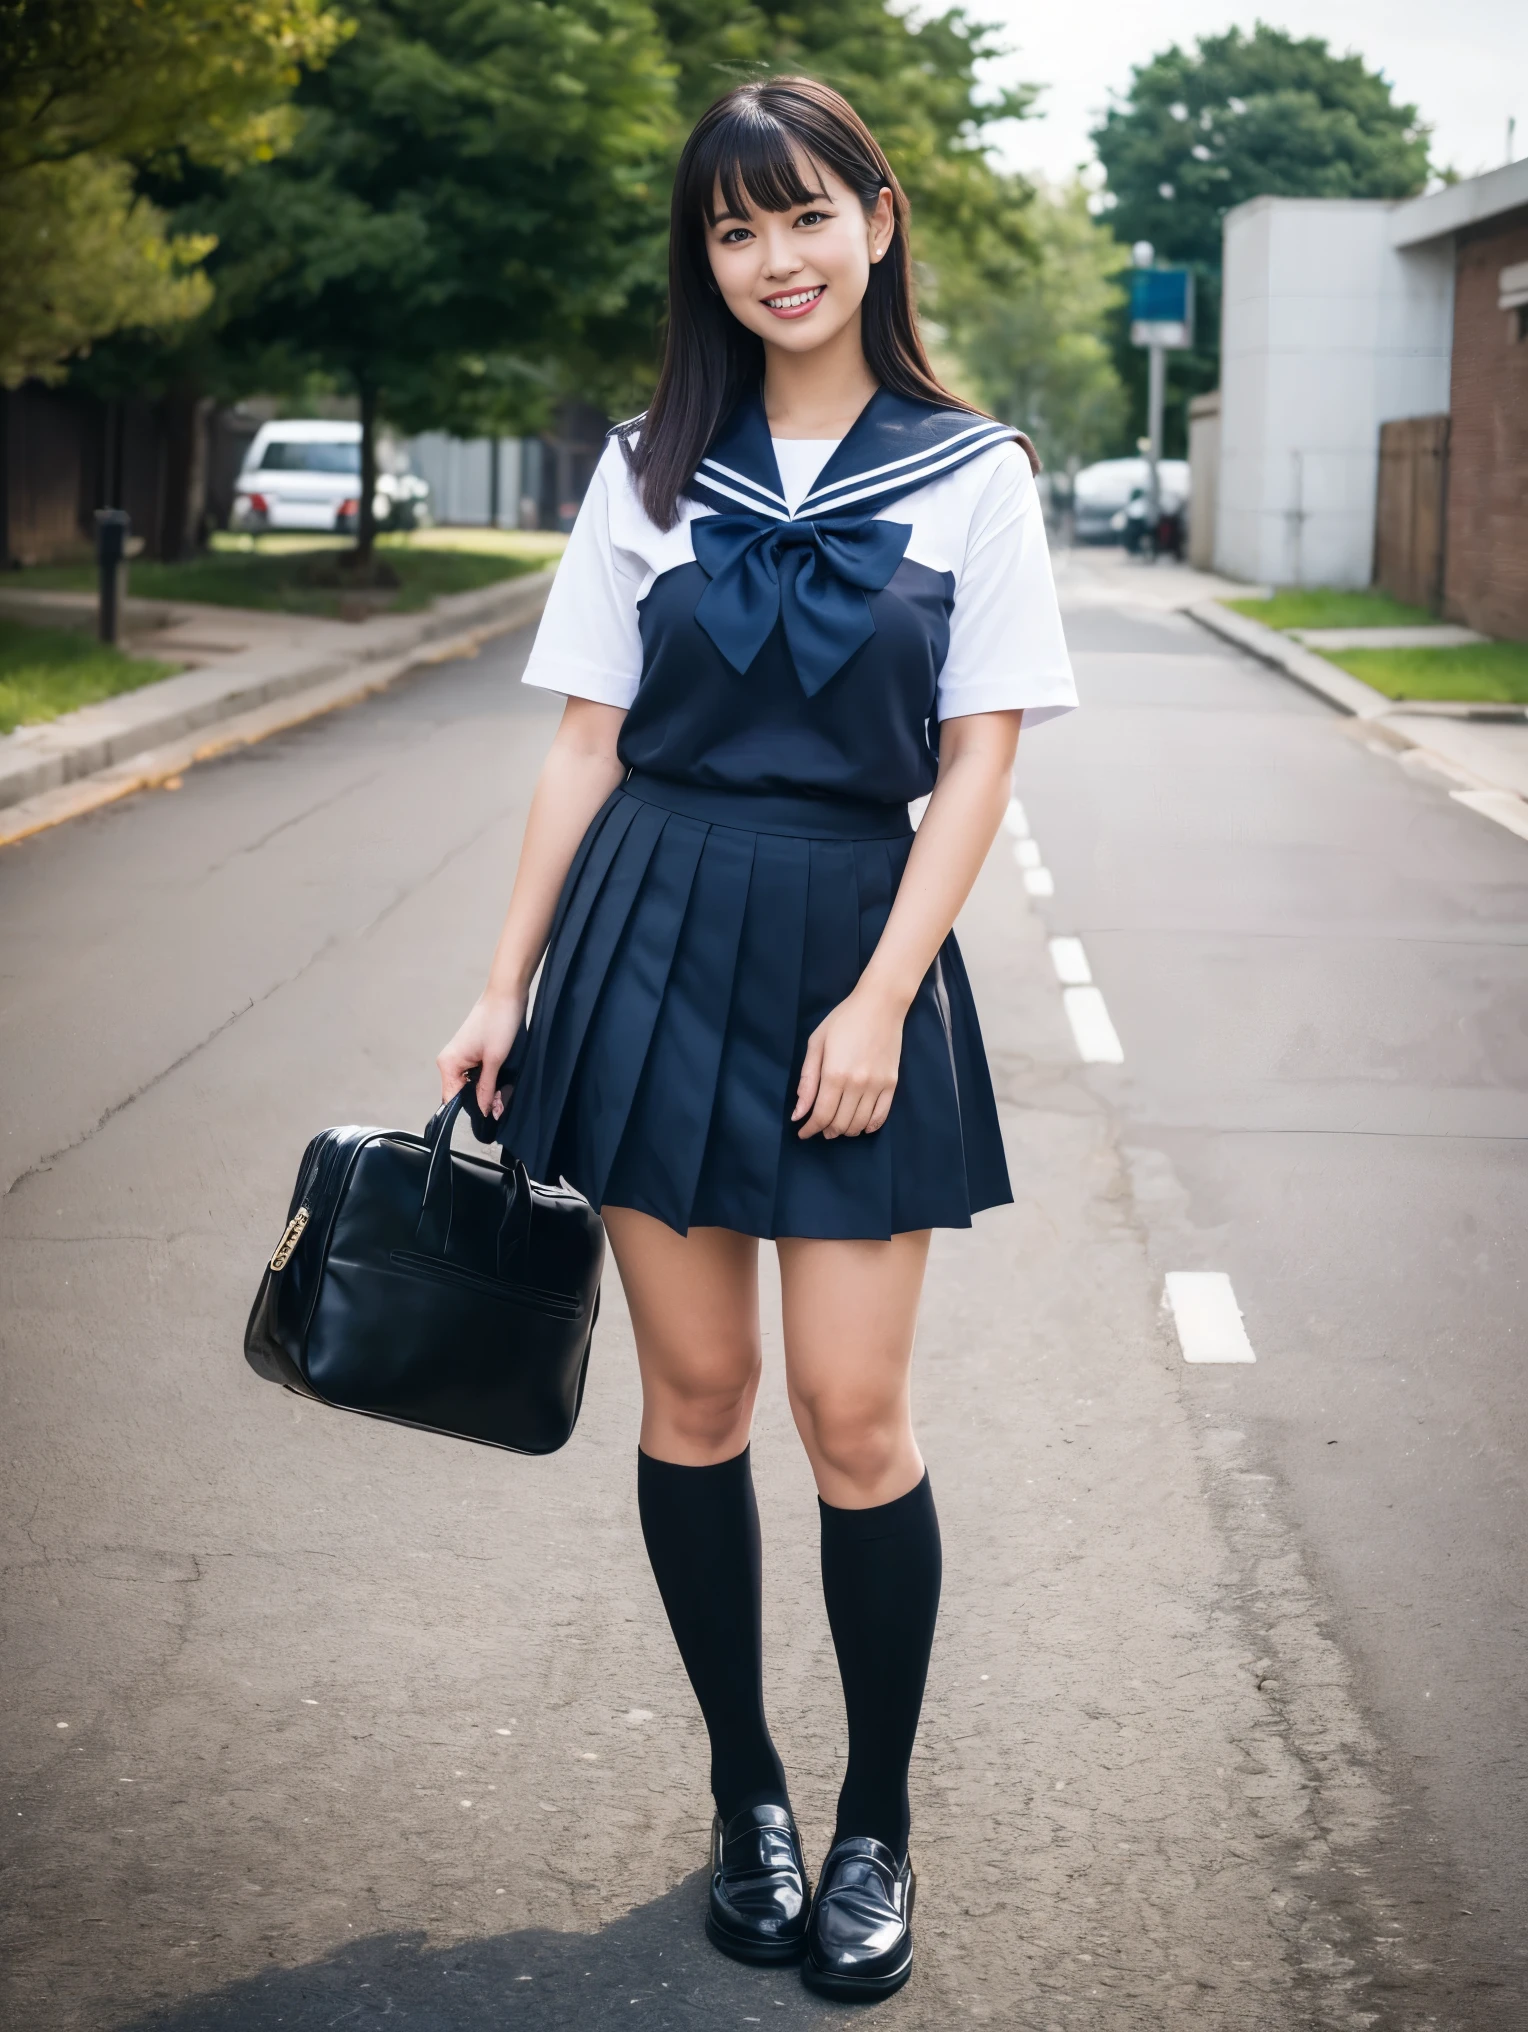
881, 222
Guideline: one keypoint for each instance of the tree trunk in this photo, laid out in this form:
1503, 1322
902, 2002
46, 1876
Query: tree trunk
366, 520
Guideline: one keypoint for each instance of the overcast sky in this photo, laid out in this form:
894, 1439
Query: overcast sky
1464, 63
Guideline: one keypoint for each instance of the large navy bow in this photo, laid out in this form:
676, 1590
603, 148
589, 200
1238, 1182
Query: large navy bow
811, 576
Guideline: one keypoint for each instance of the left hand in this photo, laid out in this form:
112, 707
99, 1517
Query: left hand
849, 1074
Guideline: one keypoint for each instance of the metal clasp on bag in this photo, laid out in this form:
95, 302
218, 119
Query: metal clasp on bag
291, 1236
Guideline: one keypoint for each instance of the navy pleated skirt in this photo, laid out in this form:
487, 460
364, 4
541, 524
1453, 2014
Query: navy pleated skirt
701, 937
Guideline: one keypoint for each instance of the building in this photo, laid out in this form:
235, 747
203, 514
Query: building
1351, 323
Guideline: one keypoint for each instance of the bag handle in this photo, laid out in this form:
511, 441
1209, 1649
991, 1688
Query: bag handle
433, 1235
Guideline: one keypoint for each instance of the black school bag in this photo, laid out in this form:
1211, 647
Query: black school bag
434, 1288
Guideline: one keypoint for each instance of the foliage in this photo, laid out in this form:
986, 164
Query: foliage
139, 78
81, 255
1036, 350
85, 87
1236, 117
472, 183
48, 671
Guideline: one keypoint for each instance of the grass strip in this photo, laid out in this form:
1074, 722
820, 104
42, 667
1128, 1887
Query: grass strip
48, 671
283, 575
1318, 607
1482, 673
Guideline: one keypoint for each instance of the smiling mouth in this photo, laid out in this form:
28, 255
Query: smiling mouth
796, 303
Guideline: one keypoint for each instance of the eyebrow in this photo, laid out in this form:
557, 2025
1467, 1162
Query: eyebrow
741, 218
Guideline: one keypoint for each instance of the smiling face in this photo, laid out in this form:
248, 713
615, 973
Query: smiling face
797, 277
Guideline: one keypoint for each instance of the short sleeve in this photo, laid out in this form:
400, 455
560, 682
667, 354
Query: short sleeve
588, 645
1006, 646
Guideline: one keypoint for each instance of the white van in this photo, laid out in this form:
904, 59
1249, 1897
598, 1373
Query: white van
307, 475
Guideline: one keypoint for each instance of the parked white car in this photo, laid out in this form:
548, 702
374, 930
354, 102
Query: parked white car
307, 475
1101, 494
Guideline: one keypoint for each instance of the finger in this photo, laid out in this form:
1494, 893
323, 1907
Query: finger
850, 1102
452, 1073
882, 1109
859, 1122
487, 1088
825, 1107
811, 1077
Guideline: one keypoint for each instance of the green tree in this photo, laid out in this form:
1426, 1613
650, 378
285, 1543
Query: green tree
88, 87
1037, 350
1241, 116
472, 184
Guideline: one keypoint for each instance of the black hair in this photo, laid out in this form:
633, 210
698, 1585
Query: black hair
750, 145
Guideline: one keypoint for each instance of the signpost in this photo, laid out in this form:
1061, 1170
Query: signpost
1161, 319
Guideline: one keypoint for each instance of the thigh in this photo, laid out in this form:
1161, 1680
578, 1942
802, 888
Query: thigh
694, 1304
850, 1312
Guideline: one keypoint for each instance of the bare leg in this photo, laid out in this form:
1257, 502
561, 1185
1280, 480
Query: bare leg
694, 1302
850, 1312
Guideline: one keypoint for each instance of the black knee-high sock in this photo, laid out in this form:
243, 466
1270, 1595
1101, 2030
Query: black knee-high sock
880, 1574
702, 1531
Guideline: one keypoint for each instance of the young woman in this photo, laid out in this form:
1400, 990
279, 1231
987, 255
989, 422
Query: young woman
805, 589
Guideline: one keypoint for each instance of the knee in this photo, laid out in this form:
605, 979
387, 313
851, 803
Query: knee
860, 1437
702, 1406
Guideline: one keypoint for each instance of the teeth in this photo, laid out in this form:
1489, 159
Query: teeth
790, 302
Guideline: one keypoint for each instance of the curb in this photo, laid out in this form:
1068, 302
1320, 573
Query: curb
1388, 717
1348, 694
96, 756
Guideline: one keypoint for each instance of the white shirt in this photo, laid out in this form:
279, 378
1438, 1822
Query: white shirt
982, 523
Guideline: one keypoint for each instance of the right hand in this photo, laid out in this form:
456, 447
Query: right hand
482, 1045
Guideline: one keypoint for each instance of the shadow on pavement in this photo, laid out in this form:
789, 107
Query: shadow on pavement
652, 1968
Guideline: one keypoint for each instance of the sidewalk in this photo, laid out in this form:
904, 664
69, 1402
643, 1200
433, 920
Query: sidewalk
248, 675
1481, 749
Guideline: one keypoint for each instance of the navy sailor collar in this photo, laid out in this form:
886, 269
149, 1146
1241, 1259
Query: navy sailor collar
896, 444
811, 573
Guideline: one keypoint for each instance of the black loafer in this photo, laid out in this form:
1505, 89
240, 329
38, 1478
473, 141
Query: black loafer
859, 1941
759, 1896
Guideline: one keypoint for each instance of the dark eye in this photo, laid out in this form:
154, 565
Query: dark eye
735, 235
811, 218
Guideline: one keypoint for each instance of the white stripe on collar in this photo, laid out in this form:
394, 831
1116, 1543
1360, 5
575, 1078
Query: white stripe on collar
746, 500
743, 480
950, 448
830, 502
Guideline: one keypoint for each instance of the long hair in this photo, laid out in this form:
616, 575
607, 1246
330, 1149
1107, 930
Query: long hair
749, 143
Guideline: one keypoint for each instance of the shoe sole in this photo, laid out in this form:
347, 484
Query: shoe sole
867, 1989
760, 1954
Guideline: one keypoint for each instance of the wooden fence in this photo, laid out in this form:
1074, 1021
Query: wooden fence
1409, 521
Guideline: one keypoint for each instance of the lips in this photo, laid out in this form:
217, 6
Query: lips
794, 303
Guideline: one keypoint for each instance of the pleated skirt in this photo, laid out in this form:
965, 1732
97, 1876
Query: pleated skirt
700, 938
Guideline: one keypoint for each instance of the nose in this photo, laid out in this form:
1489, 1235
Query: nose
782, 257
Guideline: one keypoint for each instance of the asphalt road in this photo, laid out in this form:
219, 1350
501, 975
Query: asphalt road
310, 1721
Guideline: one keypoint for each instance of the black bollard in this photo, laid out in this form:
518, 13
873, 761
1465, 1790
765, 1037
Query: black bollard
112, 525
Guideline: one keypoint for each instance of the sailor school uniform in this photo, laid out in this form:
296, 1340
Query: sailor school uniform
785, 656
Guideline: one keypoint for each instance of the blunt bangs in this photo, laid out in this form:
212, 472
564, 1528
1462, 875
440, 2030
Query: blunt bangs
755, 162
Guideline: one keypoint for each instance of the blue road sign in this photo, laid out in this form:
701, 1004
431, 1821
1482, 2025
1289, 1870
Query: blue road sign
1162, 307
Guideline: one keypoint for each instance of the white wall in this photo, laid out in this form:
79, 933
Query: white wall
1327, 331
459, 471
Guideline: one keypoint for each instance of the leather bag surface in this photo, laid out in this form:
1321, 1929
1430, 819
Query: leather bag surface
432, 1287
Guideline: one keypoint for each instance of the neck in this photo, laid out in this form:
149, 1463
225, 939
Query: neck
817, 394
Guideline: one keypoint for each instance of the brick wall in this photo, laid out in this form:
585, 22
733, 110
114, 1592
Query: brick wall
1486, 575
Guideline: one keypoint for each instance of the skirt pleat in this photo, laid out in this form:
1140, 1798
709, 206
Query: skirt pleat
691, 958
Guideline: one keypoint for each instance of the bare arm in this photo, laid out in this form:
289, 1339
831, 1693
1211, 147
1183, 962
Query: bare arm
579, 773
849, 1075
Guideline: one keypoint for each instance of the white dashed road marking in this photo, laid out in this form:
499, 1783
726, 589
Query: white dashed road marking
1097, 1039
1015, 821
1207, 1316
1071, 963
